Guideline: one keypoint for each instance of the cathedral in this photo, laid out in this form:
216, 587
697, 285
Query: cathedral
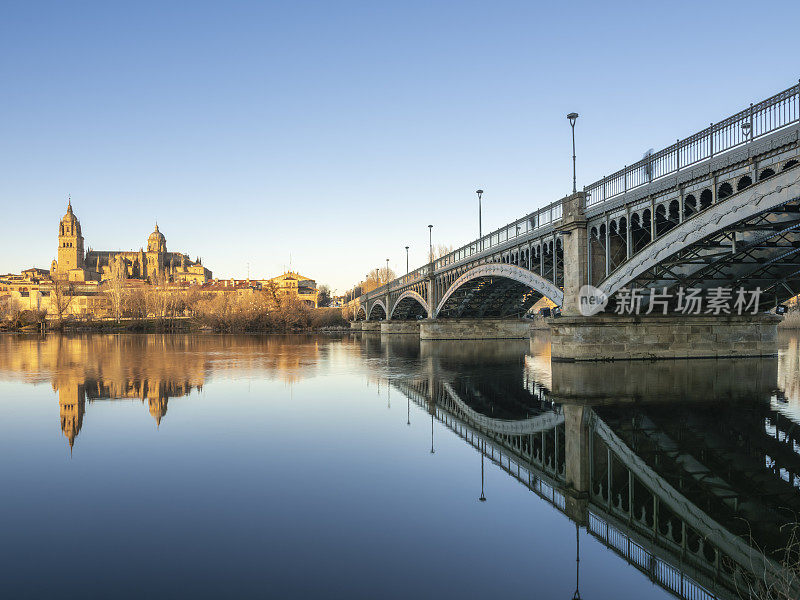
155, 264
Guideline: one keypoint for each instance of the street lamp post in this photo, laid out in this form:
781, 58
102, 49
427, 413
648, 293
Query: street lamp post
430, 243
387, 270
480, 229
406, 260
573, 116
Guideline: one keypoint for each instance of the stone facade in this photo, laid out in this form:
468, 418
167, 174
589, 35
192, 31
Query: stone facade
155, 265
405, 327
609, 337
474, 329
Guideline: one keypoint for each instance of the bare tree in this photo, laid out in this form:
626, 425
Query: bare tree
115, 290
377, 278
441, 250
62, 294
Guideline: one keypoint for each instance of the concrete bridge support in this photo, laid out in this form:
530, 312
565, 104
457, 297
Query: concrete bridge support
355, 325
371, 326
474, 329
612, 337
576, 446
406, 327
576, 263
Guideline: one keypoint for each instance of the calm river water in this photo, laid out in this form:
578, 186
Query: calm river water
246, 466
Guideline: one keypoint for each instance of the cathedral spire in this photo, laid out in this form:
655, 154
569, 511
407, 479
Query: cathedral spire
69, 203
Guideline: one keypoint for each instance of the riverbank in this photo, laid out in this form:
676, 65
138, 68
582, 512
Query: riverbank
310, 320
791, 320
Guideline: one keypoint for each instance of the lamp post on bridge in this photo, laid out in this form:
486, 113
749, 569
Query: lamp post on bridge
430, 243
387, 270
573, 116
406, 260
480, 229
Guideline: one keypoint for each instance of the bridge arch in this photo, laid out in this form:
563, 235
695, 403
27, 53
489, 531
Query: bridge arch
361, 315
380, 313
409, 305
496, 290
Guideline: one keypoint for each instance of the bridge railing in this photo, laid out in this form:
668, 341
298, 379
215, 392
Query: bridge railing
764, 118
399, 282
520, 227
768, 116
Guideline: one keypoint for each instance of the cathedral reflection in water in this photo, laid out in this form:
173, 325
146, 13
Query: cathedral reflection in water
150, 368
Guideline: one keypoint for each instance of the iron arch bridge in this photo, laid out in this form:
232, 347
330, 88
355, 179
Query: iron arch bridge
719, 208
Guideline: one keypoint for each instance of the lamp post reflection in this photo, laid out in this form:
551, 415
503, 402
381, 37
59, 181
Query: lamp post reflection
432, 450
577, 594
483, 454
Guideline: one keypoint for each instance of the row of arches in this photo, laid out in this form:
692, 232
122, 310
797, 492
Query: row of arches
485, 290
609, 249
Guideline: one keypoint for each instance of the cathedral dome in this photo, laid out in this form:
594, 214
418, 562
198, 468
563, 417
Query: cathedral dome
156, 242
69, 223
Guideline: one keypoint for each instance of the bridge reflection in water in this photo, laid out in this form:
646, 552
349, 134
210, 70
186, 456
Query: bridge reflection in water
689, 470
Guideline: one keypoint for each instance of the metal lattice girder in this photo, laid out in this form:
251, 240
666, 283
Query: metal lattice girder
489, 297
713, 248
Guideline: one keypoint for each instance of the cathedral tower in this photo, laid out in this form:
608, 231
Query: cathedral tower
70, 243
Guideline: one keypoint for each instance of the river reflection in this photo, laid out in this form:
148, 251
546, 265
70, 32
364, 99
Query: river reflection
383, 466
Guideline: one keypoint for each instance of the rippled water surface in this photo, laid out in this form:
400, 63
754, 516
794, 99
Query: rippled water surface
245, 466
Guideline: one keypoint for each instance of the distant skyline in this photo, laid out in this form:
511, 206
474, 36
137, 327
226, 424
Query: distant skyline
336, 132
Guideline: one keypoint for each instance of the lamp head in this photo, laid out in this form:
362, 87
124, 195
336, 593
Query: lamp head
573, 116
479, 192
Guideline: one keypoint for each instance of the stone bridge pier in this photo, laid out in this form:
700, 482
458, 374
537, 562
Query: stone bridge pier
576, 336
576, 446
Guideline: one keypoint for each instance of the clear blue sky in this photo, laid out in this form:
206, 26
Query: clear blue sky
338, 130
